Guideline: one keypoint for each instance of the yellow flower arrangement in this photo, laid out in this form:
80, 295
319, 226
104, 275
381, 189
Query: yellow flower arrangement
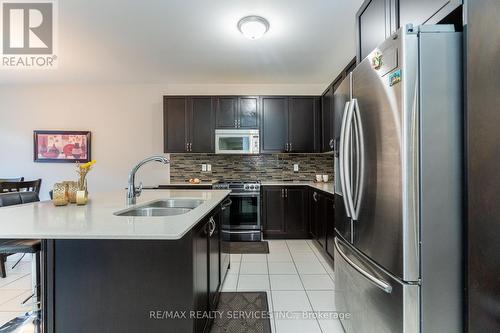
82, 170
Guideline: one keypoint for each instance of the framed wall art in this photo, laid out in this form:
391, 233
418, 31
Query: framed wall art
62, 146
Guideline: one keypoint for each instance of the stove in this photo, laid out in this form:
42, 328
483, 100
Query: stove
238, 186
241, 219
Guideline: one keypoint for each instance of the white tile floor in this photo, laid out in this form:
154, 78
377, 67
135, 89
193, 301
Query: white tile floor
14, 289
296, 277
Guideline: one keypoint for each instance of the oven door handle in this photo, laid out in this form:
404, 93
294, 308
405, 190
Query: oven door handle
226, 204
241, 232
248, 194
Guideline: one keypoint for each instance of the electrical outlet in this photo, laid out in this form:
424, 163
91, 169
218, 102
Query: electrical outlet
203, 167
209, 167
296, 168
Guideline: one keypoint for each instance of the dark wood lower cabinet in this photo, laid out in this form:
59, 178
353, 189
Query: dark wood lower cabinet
318, 206
330, 225
273, 212
296, 212
285, 212
111, 286
214, 256
322, 220
201, 258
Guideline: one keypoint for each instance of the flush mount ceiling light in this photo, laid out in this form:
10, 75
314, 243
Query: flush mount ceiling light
253, 27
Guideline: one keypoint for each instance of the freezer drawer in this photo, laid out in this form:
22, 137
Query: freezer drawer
376, 302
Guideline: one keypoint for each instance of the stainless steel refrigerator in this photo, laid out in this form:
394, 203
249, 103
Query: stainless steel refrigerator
398, 148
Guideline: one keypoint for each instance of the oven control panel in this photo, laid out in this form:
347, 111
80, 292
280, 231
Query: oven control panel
251, 187
220, 186
238, 187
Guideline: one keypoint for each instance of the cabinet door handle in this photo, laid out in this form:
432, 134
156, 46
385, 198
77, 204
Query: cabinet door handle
187, 146
290, 147
190, 146
315, 196
282, 192
226, 204
286, 193
212, 226
286, 146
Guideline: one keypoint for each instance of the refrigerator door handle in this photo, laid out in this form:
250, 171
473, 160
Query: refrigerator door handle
346, 166
342, 157
360, 159
375, 281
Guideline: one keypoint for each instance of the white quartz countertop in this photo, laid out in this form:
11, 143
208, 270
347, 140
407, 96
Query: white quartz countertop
43, 220
325, 187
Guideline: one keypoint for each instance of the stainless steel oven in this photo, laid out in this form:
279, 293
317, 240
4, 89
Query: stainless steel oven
242, 221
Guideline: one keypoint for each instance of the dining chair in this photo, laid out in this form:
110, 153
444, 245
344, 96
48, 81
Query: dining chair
3, 180
21, 186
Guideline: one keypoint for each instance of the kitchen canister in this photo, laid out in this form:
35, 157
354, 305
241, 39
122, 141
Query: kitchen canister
60, 194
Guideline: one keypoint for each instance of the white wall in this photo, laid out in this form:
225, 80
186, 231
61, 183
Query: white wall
125, 121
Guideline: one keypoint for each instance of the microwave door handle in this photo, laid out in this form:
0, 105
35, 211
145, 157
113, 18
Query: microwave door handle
381, 284
341, 158
347, 165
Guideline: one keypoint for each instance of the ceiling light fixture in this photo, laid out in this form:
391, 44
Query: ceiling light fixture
253, 27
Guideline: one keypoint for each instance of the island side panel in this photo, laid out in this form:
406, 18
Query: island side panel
113, 285
47, 285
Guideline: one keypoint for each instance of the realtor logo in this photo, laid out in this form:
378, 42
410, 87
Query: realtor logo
28, 34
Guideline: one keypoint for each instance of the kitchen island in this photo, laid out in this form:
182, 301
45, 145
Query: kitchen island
108, 273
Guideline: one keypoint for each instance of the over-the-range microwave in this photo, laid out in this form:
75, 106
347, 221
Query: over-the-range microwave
237, 141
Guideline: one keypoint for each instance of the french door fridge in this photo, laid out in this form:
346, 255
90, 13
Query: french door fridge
398, 249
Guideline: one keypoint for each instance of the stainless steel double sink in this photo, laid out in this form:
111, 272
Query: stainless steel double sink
168, 207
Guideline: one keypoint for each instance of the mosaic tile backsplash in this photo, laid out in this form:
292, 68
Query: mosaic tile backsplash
250, 167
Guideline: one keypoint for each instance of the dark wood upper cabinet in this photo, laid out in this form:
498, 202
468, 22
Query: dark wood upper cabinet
248, 112
329, 106
303, 124
188, 124
274, 129
237, 112
327, 119
201, 134
287, 124
378, 19
290, 124
419, 12
226, 112
175, 124
372, 25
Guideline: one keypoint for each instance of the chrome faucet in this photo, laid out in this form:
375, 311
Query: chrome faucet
132, 191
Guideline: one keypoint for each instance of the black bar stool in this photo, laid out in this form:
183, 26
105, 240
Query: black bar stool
25, 246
